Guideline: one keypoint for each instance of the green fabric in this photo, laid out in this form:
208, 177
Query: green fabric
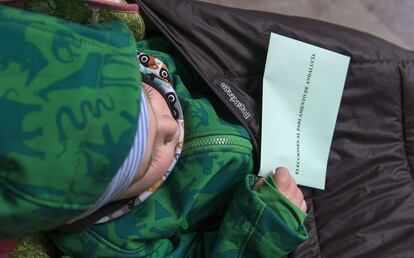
77, 11
34, 246
69, 102
206, 208
289, 214
73, 10
134, 21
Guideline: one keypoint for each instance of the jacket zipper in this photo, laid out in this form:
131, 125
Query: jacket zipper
154, 18
218, 140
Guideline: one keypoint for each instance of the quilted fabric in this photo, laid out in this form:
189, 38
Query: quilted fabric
368, 205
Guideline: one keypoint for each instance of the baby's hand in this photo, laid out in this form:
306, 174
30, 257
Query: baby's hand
287, 186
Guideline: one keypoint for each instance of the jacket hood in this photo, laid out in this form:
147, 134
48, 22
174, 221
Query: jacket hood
69, 104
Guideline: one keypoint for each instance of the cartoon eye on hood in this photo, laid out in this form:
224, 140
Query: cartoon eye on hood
147, 61
174, 113
171, 98
164, 74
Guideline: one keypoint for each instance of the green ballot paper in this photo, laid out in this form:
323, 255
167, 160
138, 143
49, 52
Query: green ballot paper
302, 90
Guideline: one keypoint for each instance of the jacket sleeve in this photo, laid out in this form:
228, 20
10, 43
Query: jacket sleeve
258, 223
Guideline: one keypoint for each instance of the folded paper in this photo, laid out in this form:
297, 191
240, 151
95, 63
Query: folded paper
302, 90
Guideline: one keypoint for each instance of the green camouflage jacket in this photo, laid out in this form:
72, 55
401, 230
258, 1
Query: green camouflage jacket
206, 208
74, 111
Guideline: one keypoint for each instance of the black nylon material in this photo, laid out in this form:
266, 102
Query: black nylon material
367, 209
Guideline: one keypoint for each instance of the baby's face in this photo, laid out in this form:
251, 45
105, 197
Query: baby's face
163, 134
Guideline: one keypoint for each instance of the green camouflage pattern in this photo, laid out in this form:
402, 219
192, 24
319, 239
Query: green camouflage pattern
69, 102
206, 208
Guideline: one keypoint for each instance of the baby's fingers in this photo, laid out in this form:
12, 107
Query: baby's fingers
304, 207
287, 185
258, 183
283, 180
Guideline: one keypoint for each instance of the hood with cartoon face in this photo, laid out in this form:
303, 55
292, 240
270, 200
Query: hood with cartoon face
69, 104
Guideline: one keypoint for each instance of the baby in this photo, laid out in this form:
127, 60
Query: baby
164, 143
163, 138
120, 160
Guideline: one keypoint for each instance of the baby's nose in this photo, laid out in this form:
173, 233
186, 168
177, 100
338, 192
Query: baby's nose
169, 128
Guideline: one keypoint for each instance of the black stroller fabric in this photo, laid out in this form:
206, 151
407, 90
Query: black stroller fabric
367, 209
